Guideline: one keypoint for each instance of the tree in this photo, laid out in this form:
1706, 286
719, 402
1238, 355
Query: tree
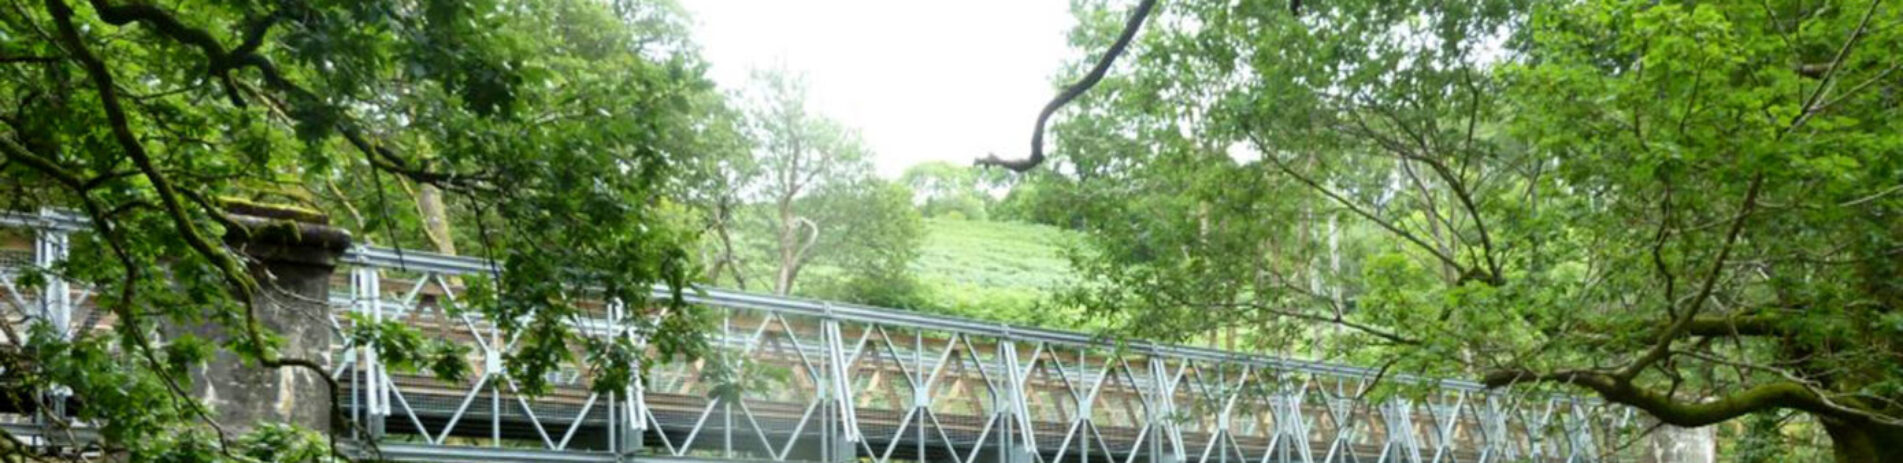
1684, 207
553, 127
941, 187
824, 203
873, 236
712, 189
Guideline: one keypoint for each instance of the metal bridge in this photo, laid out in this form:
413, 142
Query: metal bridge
856, 383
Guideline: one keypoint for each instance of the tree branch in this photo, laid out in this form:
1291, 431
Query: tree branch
1827, 81
1130, 28
1781, 394
1356, 209
222, 61
1662, 348
1732, 326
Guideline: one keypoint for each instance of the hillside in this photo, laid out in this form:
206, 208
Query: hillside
994, 254
1002, 271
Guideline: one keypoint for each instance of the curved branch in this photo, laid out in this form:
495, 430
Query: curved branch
1779, 394
812, 237
1130, 28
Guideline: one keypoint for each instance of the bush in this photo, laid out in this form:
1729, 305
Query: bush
964, 206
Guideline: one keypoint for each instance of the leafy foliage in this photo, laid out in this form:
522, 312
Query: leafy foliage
1685, 207
558, 130
943, 188
806, 197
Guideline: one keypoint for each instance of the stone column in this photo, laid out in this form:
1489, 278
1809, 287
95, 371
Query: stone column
291, 253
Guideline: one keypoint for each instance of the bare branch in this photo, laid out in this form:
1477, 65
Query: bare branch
1096, 74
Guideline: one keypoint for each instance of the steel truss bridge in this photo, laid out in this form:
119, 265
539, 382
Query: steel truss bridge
865, 384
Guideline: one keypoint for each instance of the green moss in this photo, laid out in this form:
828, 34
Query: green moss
273, 211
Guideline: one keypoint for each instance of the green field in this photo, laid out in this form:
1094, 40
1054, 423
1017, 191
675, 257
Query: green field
994, 254
1000, 271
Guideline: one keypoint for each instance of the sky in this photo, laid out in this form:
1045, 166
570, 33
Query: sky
922, 80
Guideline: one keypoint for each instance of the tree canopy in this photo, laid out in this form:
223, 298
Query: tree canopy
558, 131
1685, 207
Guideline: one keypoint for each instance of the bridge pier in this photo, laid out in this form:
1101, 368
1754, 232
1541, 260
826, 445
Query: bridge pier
291, 254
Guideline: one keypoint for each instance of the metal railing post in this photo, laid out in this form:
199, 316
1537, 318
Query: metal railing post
842, 431
367, 292
1446, 421
1017, 441
1536, 429
628, 409
1578, 426
50, 247
1166, 445
1398, 415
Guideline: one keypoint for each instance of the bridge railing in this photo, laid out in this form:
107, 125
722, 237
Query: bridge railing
849, 382
840, 382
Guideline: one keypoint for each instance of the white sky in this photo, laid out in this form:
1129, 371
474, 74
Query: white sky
922, 79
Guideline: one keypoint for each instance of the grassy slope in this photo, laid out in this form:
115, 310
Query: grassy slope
1000, 271
993, 254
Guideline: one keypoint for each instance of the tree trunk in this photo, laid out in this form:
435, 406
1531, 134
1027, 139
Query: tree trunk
1863, 442
728, 260
429, 204
783, 281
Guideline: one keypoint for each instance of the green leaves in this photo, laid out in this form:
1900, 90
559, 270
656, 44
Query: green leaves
733, 376
555, 136
1462, 188
404, 348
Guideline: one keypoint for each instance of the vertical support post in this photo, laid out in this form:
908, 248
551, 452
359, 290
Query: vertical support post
1399, 417
828, 436
50, 247
826, 451
1017, 441
366, 284
1536, 431
1166, 444
1228, 408
1083, 405
1445, 421
1493, 418
726, 404
629, 431
921, 394
1578, 424
836, 394
1342, 408
1292, 425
